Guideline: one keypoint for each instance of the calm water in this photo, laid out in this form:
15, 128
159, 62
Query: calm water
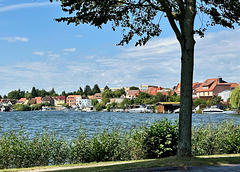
67, 123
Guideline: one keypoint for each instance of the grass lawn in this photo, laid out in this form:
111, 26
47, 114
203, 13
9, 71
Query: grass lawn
128, 165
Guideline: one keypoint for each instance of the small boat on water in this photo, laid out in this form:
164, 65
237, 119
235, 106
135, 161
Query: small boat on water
212, 109
141, 109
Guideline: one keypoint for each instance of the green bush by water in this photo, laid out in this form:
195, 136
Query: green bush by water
158, 140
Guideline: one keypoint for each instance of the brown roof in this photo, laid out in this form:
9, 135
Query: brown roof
47, 98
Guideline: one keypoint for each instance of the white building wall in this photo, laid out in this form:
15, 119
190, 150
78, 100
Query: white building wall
225, 94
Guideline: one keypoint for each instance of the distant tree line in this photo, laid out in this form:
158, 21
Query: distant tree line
17, 94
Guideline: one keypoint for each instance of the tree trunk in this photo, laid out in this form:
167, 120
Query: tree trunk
185, 116
187, 62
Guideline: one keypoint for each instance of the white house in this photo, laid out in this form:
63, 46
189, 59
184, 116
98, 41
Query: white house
82, 102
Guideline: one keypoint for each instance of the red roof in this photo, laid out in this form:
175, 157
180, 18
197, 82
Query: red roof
210, 84
133, 93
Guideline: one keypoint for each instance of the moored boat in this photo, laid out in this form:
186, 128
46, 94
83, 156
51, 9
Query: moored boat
212, 109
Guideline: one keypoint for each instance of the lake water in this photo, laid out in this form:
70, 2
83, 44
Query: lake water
67, 123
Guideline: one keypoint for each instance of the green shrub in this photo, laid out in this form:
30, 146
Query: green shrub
18, 150
161, 139
220, 138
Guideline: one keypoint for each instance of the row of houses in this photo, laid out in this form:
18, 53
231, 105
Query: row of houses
205, 90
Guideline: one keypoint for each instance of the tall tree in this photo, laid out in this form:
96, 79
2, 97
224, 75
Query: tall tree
106, 88
14, 95
141, 18
96, 89
87, 90
235, 98
34, 92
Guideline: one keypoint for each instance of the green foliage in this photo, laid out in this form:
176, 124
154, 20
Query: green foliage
94, 102
98, 107
36, 107
106, 95
161, 139
235, 98
17, 94
212, 139
96, 89
215, 100
22, 107
199, 101
117, 93
18, 150
34, 92
87, 90
133, 88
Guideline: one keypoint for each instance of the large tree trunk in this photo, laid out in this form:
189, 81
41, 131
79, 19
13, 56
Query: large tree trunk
187, 62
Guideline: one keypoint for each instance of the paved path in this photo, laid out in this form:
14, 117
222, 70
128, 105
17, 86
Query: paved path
222, 168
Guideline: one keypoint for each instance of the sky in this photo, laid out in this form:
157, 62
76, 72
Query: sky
35, 50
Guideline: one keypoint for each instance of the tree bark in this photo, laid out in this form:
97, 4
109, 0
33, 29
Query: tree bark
187, 43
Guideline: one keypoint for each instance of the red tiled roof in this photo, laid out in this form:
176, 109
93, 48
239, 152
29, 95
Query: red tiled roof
22, 99
133, 93
210, 84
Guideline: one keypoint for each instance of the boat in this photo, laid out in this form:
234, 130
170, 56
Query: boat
212, 109
141, 109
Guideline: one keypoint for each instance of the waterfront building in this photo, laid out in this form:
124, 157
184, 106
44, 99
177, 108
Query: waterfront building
48, 99
71, 99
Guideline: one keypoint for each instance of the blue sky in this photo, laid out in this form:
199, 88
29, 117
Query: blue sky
38, 51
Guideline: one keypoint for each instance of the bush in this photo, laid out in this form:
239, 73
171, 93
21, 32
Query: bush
18, 150
221, 138
161, 139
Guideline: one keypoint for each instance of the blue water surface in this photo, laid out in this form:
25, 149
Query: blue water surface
67, 123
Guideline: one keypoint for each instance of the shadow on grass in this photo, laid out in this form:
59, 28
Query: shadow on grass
164, 162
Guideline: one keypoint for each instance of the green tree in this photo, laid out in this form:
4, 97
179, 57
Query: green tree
117, 93
94, 102
216, 100
142, 18
43, 93
106, 88
105, 96
87, 90
53, 93
80, 91
235, 98
96, 89
14, 95
199, 101
159, 97
34, 92
133, 88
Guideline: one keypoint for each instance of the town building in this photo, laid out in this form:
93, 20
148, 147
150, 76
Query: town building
48, 99
59, 100
71, 100
213, 86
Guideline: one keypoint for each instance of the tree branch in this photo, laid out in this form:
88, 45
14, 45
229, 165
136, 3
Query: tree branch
170, 17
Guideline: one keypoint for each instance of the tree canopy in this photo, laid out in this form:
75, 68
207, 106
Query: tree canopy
235, 98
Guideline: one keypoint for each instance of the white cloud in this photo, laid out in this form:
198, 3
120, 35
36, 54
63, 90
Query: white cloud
157, 64
15, 39
39, 53
69, 50
79, 36
25, 5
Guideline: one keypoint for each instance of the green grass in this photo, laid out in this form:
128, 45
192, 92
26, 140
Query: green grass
128, 165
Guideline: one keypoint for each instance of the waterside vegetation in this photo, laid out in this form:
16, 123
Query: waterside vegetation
159, 140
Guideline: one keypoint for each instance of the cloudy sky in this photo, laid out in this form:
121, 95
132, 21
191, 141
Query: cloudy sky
37, 51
